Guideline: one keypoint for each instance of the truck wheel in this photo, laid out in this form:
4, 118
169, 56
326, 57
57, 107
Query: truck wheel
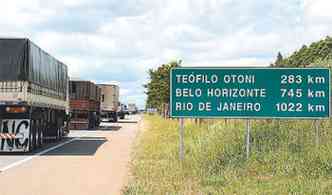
41, 138
37, 130
32, 138
42, 134
37, 137
30, 143
58, 134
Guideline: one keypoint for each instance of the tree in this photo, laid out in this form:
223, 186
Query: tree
157, 89
320, 51
279, 61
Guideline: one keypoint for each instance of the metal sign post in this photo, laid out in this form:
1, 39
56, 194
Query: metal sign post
317, 132
181, 140
248, 138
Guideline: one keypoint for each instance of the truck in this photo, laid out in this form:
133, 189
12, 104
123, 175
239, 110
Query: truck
132, 108
122, 111
109, 102
33, 96
84, 104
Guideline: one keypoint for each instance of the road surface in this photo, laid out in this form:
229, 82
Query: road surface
87, 162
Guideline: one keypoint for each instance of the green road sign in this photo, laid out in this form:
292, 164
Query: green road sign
250, 92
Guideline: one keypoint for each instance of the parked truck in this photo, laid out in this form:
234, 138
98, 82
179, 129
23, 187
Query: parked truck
122, 111
84, 104
33, 96
132, 108
109, 102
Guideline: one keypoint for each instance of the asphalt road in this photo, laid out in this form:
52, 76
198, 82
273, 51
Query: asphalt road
86, 162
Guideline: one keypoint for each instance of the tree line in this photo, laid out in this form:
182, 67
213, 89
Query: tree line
157, 89
317, 53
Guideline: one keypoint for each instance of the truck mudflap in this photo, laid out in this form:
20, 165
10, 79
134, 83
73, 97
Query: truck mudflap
14, 135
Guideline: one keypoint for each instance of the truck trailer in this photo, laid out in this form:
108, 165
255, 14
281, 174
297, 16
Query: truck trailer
33, 96
132, 108
109, 102
122, 111
84, 104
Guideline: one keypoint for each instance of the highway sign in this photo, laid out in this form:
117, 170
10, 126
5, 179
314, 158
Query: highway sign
250, 92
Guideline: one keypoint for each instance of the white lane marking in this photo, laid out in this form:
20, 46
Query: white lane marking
93, 139
35, 155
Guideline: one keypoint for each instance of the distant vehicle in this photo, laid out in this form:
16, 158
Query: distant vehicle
84, 104
109, 102
132, 108
122, 111
151, 110
126, 111
33, 96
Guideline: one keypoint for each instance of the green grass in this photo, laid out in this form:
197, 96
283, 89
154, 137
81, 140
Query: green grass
284, 159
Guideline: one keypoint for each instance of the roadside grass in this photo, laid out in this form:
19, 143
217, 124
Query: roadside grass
284, 158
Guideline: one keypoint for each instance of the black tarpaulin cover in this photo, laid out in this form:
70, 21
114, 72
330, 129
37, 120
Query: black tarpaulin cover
22, 60
13, 59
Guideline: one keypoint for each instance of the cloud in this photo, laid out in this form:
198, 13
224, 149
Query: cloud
104, 40
318, 9
317, 19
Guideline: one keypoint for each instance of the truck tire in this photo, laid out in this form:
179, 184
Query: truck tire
58, 136
32, 126
37, 130
61, 133
40, 141
32, 138
30, 143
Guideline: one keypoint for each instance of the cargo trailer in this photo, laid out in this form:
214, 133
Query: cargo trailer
109, 102
122, 111
84, 104
132, 108
33, 96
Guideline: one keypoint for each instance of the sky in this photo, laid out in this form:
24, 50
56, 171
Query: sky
113, 41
